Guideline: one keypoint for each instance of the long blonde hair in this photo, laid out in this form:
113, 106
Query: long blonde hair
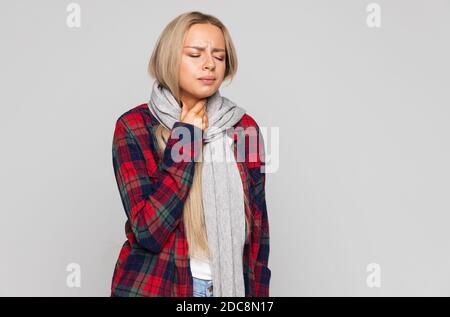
164, 66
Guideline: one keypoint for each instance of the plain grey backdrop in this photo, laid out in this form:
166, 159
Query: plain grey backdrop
363, 115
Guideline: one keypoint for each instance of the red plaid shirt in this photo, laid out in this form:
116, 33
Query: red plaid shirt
154, 260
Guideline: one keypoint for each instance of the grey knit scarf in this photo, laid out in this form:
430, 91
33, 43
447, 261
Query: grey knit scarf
222, 190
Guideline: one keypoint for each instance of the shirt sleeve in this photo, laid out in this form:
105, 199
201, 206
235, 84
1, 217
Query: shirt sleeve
154, 203
262, 271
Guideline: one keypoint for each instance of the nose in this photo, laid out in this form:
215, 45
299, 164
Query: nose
209, 63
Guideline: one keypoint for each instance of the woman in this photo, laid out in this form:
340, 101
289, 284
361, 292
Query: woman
189, 168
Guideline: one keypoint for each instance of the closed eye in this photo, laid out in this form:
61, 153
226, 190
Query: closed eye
218, 58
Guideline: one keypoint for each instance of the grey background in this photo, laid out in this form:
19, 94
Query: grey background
364, 125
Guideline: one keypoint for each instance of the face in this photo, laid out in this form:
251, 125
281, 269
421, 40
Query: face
203, 56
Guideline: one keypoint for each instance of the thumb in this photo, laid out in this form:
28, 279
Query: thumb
184, 110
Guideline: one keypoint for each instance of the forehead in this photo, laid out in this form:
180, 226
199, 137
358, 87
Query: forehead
205, 34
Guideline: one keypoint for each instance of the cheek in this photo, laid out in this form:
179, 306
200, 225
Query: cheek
220, 69
187, 70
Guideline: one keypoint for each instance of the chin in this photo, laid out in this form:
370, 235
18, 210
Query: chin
205, 91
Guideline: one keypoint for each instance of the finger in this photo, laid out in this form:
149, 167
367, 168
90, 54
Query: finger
184, 110
198, 121
198, 106
202, 112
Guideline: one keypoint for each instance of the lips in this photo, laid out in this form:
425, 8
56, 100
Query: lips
207, 80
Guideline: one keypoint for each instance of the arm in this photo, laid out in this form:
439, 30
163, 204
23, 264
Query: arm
153, 203
261, 271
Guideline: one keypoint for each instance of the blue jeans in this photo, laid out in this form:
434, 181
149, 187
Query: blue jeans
202, 288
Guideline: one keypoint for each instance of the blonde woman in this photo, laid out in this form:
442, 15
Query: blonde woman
189, 169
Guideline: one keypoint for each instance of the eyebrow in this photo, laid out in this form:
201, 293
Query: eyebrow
215, 49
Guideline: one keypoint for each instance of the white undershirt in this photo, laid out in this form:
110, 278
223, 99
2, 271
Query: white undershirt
200, 269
